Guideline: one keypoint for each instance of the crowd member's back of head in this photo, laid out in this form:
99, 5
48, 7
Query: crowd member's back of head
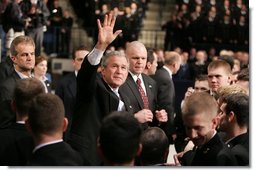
24, 92
243, 79
155, 147
119, 139
16, 143
46, 122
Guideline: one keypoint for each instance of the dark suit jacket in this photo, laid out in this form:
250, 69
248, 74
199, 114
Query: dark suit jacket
240, 148
16, 145
213, 153
57, 154
166, 98
130, 87
7, 116
66, 89
95, 100
6, 69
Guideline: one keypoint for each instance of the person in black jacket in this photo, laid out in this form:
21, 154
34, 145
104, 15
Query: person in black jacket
200, 119
46, 123
98, 94
234, 114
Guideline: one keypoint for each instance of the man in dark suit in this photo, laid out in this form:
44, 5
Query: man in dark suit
6, 68
200, 118
166, 89
98, 94
144, 112
12, 150
46, 123
23, 56
67, 86
234, 118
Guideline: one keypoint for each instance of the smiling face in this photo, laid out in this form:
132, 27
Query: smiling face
116, 71
199, 128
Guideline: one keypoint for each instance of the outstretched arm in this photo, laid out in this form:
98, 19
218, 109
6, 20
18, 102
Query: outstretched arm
106, 35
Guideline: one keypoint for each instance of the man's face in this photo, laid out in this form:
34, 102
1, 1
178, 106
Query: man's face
199, 128
25, 58
224, 119
79, 57
217, 77
201, 86
153, 66
137, 58
116, 71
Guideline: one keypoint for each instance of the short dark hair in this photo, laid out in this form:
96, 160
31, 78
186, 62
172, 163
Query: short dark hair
25, 91
120, 137
239, 104
46, 114
39, 59
201, 77
154, 146
81, 47
150, 55
243, 75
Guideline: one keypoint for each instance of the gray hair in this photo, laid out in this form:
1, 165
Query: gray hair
104, 60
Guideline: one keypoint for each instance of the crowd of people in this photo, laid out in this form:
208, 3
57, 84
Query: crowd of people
45, 21
208, 22
121, 107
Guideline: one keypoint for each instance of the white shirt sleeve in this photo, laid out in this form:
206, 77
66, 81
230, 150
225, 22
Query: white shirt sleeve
94, 57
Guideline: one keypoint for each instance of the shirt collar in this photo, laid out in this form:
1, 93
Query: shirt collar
48, 143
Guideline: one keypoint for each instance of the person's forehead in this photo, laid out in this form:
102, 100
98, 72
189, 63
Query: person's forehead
217, 71
117, 59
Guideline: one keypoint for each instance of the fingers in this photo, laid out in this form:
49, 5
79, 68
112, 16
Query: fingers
112, 20
105, 22
99, 24
117, 33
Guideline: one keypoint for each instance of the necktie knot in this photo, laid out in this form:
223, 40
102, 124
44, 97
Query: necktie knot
139, 81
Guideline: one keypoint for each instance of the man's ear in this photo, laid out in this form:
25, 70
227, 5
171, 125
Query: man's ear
216, 121
28, 126
148, 65
231, 116
139, 149
65, 124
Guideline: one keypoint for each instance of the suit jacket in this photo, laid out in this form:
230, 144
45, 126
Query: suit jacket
213, 153
16, 145
130, 87
6, 69
95, 100
7, 116
66, 89
166, 98
57, 154
240, 148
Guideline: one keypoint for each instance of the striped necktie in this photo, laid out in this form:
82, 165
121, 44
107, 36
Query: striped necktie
143, 95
